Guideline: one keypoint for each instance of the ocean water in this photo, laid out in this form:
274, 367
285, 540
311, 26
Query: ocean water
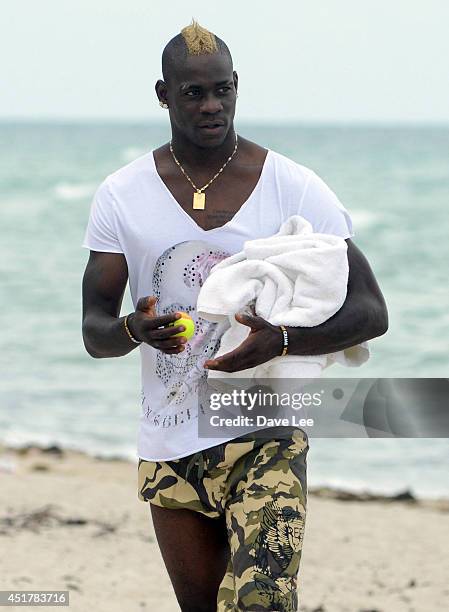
394, 182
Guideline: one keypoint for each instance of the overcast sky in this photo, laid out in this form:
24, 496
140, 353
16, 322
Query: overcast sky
303, 60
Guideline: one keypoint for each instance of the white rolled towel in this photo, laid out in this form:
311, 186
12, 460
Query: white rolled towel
294, 278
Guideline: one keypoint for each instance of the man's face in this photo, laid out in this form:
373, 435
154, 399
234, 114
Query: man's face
201, 95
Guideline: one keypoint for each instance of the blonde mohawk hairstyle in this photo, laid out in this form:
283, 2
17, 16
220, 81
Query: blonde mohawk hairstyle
199, 40
193, 40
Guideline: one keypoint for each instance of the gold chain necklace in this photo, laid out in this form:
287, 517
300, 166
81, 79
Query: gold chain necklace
199, 197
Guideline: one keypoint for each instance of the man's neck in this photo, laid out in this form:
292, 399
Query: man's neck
192, 156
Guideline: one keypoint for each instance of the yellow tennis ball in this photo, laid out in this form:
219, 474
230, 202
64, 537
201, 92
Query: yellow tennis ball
188, 323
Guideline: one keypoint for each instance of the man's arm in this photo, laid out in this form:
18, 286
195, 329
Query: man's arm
104, 332
362, 317
104, 284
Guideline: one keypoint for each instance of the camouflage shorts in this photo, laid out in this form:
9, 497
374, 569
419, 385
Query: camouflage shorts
259, 484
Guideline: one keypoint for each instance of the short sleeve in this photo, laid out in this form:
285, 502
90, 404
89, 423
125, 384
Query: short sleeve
100, 233
321, 207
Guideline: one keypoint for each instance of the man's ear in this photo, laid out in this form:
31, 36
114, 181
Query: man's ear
161, 91
235, 78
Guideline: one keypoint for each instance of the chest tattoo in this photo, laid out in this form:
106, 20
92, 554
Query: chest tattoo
220, 215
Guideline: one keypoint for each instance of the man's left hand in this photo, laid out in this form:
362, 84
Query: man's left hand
262, 344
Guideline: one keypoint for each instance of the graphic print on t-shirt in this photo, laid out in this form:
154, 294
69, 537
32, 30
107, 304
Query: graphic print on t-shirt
178, 276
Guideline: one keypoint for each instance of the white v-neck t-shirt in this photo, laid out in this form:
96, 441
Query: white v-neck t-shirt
169, 255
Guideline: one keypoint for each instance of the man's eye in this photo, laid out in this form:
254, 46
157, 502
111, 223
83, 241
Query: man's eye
192, 92
224, 89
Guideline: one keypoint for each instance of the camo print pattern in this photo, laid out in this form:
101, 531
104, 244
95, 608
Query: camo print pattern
260, 486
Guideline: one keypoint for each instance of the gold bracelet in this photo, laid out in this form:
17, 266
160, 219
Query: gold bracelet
129, 333
285, 340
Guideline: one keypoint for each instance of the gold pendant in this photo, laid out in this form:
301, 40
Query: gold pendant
199, 200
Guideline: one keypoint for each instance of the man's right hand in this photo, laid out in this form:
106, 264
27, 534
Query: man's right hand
144, 325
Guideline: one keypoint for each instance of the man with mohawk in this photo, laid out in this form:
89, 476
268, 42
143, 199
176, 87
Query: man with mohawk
229, 515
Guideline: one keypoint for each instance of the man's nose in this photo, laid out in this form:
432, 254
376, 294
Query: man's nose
211, 104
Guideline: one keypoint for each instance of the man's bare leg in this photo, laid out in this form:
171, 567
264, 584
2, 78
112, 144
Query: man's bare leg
196, 551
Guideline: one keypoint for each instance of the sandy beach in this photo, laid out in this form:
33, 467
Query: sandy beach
71, 521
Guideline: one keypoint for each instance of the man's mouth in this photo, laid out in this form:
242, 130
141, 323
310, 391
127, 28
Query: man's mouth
211, 126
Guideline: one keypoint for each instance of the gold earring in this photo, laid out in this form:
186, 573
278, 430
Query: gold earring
163, 104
